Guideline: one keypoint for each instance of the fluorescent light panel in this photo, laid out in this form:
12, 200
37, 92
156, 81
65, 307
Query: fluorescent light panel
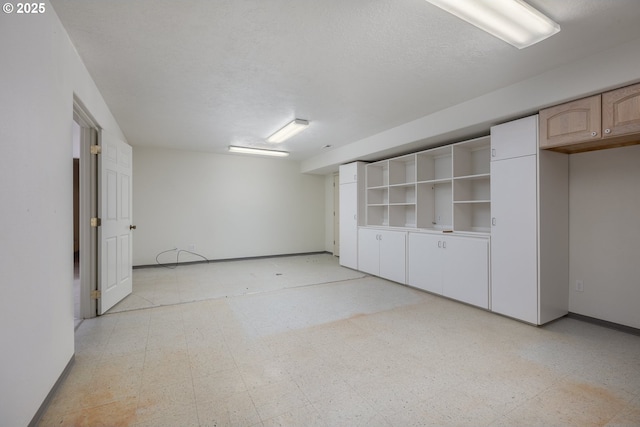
291, 129
513, 21
247, 150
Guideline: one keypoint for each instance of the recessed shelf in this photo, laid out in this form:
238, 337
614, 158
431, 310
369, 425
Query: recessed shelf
444, 188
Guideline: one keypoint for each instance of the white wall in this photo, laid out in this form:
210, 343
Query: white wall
39, 73
228, 206
604, 233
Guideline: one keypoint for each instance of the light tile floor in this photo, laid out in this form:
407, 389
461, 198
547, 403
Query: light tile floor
356, 352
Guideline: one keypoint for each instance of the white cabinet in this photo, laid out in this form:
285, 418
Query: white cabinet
529, 236
351, 172
515, 139
514, 249
382, 253
351, 211
454, 266
425, 262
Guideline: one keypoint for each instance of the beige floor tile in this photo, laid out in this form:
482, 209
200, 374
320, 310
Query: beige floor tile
217, 386
234, 410
164, 367
320, 345
303, 416
349, 409
161, 402
276, 399
119, 413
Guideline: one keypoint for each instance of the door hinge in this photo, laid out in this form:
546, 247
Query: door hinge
96, 294
96, 222
96, 149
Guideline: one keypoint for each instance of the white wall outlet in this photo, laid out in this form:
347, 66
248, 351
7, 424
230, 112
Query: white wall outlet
192, 247
579, 286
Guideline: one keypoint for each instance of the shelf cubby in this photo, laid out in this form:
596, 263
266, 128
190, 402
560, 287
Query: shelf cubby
378, 174
378, 215
472, 216
402, 194
434, 164
402, 215
378, 196
472, 188
472, 157
402, 170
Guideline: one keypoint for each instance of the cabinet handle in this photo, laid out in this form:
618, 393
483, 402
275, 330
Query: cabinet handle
493, 221
355, 177
594, 133
380, 236
439, 244
493, 152
354, 217
444, 245
607, 131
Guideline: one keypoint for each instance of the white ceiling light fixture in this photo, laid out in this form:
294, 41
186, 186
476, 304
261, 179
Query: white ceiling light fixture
513, 21
258, 151
291, 129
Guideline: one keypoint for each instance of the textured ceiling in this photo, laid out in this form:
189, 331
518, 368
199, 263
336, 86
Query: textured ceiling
204, 74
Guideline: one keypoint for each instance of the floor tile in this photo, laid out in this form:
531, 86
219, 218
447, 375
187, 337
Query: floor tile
302, 341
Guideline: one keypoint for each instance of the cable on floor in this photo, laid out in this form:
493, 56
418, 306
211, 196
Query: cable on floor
178, 252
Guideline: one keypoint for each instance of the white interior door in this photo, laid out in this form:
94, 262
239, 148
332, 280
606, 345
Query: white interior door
115, 210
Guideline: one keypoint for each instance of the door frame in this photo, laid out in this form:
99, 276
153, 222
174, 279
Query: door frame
336, 214
88, 204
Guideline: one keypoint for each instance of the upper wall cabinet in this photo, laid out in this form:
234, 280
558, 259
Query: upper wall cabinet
571, 123
598, 122
621, 112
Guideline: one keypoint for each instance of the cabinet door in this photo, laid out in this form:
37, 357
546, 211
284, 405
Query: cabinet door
393, 248
369, 251
466, 270
515, 139
349, 173
514, 253
571, 123
425, 262
349, 225
621, 111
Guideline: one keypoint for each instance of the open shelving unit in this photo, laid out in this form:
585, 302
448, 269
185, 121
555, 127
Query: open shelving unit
445, 188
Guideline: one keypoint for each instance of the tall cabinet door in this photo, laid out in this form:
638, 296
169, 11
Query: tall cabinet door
514, 253
393, 248
349, 225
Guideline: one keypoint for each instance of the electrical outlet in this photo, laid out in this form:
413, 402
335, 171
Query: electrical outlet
579, 286
192, 247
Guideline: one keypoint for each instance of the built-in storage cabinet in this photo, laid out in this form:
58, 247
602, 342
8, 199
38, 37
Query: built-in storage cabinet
454, 266
597, 122
446, 188
621, 112
382, 253
529, 233
351, 196
571, 123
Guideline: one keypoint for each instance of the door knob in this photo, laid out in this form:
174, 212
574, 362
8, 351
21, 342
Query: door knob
132, 227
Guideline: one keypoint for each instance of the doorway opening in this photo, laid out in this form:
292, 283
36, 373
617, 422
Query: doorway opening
85, 134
